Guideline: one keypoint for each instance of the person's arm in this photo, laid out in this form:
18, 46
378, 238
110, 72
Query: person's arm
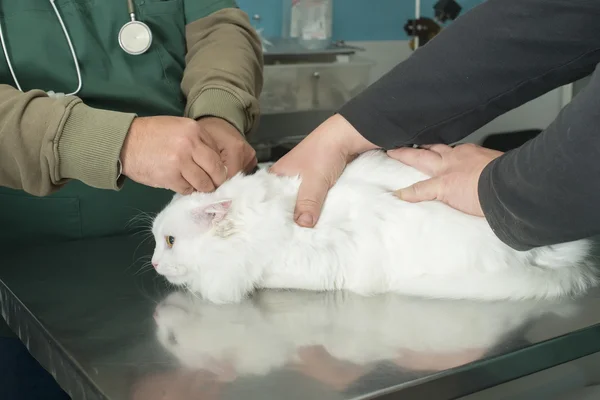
548, 191
46, 142
492, 59
224, 64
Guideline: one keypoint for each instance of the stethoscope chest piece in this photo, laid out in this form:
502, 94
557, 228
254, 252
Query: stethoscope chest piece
135, 37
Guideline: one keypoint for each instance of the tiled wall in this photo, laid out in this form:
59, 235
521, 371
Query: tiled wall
353, 20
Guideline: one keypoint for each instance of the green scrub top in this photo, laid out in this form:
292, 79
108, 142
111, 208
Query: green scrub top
147, 84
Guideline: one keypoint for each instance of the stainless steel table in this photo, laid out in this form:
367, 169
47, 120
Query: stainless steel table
107, 329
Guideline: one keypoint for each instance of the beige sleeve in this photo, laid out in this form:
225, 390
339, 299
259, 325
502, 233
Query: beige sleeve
224, 65
45, 142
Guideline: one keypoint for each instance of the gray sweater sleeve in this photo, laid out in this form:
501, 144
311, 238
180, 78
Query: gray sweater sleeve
548, 191
492, 59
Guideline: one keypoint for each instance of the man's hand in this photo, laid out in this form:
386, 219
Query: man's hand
235, 151
172, 153
454, 174
320, 159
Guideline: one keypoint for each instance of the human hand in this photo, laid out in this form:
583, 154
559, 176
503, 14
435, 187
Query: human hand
236, 153
454, 174
320, 159
172, 153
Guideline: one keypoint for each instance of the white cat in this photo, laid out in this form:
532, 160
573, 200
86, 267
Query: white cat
223, 245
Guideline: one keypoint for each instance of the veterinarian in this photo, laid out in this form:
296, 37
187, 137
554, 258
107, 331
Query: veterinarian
494, 58
166, 103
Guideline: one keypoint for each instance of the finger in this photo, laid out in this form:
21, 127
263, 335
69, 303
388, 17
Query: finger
181, 186
438, 148
427, 190
311, 196
250, 155
233, 160
211, 163
197, 177
276, 169
251, 165
426, 161
209, 141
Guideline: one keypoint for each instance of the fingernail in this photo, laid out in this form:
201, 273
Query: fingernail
398, 194
305, 220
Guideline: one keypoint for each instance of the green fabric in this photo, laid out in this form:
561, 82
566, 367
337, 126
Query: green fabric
147, 84
75, 212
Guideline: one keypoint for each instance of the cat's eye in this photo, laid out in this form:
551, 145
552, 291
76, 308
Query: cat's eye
170, 241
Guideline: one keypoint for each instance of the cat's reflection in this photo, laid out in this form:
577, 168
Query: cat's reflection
277, 329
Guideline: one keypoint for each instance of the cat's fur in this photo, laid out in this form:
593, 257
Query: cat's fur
270, 330
242, 237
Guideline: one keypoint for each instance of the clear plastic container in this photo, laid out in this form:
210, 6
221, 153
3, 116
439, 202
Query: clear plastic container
309, 22
313, 86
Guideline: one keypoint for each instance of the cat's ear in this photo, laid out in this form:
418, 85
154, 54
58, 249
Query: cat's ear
214, 212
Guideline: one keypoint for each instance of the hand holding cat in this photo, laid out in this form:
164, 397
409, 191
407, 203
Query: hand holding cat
236, 153
172, 153
320, 159
454, 174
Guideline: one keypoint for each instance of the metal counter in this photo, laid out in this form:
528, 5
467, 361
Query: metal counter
108, 328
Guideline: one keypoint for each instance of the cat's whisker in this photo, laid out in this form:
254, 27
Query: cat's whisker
139, 225
146, 257
143, 272
145, 267
142, 221
141, 232
138, 247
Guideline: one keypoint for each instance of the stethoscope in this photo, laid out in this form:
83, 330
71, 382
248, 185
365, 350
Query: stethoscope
135, 37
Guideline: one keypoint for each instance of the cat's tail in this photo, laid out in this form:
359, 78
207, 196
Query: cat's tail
570, 267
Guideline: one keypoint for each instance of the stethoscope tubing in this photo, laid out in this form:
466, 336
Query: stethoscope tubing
131, 10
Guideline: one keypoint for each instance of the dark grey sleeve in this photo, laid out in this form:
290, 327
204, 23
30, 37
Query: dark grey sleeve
492, 59
548, 190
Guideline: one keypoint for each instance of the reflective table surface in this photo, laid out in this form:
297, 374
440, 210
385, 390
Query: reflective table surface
97, 316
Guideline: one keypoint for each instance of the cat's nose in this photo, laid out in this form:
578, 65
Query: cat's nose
154, 264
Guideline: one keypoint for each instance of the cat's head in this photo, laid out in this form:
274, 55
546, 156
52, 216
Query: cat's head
198, 244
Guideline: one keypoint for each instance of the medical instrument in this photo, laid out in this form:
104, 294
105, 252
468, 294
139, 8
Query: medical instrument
308, 22
446, 9
135, 37
50, 92
417, 17
423, 29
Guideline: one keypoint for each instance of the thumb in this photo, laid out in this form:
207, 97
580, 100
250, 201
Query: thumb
311, 196
426, 190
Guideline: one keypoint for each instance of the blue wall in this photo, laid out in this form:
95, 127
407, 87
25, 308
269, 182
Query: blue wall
354, 20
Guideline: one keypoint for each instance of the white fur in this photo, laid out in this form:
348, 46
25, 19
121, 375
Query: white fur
366, 241
269, 331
